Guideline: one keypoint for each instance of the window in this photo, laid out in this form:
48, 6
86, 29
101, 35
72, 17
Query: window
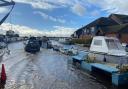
92, 29
98, 42
114, 44
119, 36
87, 31
84, 31
125, 20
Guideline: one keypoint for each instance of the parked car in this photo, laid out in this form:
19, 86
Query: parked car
40, 40
32, 45
49, 44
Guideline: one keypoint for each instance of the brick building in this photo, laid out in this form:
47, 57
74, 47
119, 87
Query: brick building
115, 25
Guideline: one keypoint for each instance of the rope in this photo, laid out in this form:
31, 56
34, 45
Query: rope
7, 4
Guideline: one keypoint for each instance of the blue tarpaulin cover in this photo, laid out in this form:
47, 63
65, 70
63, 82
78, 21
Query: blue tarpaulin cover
105, 67
81, 55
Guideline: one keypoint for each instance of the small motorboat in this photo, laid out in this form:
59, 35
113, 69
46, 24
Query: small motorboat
56, 47
108, 49
68, 50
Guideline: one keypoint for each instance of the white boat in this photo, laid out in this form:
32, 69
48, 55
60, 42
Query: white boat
69, 50
108, 49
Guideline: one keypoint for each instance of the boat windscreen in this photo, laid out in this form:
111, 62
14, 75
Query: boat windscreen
114, 44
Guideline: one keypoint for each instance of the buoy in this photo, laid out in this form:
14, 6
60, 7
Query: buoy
3, 74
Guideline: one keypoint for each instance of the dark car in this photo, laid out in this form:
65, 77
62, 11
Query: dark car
32, 46
40, 40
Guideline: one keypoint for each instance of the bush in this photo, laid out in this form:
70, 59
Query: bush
86, 42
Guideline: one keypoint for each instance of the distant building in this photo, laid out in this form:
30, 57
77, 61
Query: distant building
16, 35
11, 33
115, 25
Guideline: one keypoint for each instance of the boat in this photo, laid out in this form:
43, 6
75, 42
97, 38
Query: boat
71, 50
49, 44
81, 56
56, 47
108, 49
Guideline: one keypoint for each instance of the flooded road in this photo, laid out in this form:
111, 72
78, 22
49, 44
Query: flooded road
47, 69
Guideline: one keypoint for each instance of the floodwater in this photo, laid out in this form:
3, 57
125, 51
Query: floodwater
47, 69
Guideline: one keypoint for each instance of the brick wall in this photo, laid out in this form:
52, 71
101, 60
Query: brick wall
123, 39
85, 36
111, 35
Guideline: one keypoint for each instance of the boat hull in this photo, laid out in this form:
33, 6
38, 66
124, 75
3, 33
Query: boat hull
110, 58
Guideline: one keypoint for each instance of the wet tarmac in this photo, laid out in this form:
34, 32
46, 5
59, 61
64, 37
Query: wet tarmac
47, 69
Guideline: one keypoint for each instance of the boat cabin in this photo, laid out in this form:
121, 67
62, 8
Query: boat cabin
107, 45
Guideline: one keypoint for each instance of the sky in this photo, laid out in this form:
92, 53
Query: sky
57, 17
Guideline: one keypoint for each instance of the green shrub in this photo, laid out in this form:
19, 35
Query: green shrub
86, 42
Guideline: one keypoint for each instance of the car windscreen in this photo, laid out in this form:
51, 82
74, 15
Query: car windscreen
33, 41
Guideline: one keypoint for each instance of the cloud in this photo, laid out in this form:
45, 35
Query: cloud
22, 30
79, 9
61, 31
58, 31
76, 7
111, 6
92, 1
95, 13
48, 17
3, 10
115, 6
42, 5
39, 4
46, 4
